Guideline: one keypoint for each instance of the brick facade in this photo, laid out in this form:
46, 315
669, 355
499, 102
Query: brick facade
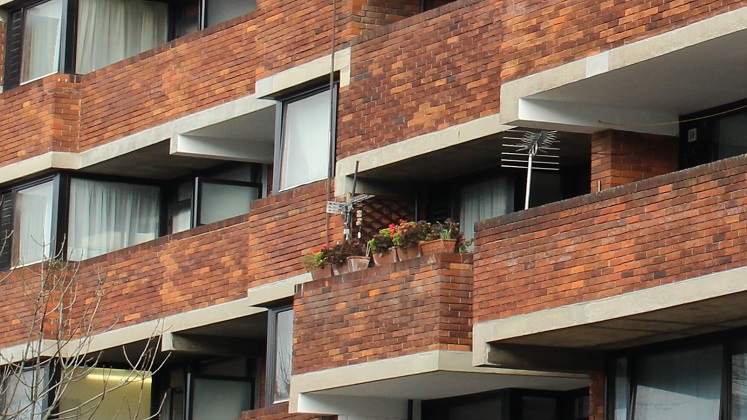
619, 158
661, 230
205, 266
408, 307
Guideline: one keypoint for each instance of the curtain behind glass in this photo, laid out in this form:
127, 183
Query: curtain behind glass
283, 354
680, 385
107, 216
485, 200
112, 30
305, 141
32, 224
42, 34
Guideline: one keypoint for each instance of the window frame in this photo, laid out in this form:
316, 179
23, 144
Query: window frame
732, 342
303, 92
271, 362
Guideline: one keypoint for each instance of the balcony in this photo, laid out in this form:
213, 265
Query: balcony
646, 262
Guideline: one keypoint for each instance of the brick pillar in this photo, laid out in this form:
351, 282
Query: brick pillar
596, 396
622, 157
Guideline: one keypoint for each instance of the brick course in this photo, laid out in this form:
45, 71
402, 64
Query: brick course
660, 230
383, 312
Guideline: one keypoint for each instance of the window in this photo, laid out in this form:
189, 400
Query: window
45, 38
110, 31
107, 392
220, 195
305, 138
704, 381
713, 134
27, 223
279, 354
107, 216
42, 38
24, 392
484, 200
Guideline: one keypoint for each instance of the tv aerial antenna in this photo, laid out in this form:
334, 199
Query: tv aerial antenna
534, 150
348, 207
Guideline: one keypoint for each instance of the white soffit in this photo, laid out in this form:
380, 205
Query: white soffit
644, 86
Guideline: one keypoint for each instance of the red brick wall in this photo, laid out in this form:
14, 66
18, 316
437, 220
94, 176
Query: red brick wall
660, 230
432, 71
205, 266
619, 158
280, 412
383, 312
368, 15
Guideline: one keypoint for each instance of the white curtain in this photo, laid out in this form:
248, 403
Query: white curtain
484, 200
32, 224
680, 385
107, 216
306, 140
283, 354
112, 30
42, 35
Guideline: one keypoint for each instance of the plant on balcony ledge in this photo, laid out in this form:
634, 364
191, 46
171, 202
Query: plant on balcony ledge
348, 256
403, 238
445, 237
317, 263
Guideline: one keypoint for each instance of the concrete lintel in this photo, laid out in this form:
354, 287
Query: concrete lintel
415, 146
513, 356
611, 308
278, 290
304, 73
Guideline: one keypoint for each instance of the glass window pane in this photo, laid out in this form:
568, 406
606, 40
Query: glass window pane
112, 30
680, 385
622, 389
731, 138
306, 140
107, 216
221, 399
739, 386
485, 200
283, 354
23, 393
220, 201
222, 10
112, 394
538, 408
42, 36
32, 224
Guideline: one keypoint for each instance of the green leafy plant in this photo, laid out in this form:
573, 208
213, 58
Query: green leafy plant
317, 258
449, 229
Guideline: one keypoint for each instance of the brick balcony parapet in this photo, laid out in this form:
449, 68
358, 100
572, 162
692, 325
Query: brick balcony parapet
407, 307
205, 266
661, 230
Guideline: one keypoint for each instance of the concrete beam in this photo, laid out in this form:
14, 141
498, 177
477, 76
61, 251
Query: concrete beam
211, 345
513, 356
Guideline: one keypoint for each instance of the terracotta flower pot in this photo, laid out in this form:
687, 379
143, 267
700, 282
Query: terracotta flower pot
321, 272
357, 263
408, 253
340, 269
384, 258
438, 246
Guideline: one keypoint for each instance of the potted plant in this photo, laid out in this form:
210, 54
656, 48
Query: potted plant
445, 237
381, 246
317, 262
348, 256
407, 237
